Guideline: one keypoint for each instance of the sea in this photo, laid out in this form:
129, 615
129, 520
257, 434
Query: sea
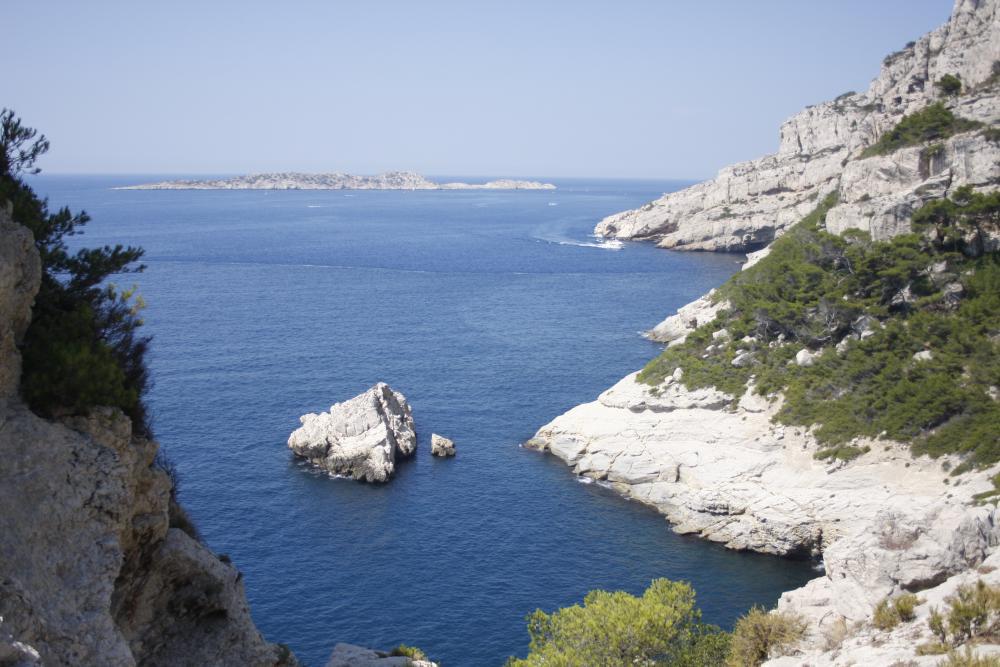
493, 312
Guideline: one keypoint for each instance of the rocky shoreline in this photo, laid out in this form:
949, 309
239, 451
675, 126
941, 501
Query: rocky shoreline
717, 465
392, 180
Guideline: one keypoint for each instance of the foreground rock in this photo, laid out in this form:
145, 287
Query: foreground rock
747, 205
348, 655
91, 571
360, 438
441, 446
392, 180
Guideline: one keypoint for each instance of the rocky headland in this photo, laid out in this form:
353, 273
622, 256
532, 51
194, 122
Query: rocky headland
360, 438
724, 464
392, 180
749, 204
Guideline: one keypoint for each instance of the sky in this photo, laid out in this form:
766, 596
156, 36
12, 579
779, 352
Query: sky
617, 89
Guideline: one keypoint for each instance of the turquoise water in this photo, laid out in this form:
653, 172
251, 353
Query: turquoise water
493, 312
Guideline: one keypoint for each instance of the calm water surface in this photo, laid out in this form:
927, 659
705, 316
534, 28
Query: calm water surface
493, 312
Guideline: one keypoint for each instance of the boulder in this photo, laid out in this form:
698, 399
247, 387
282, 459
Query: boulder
360, 438
441, 446
805, 357
349, 655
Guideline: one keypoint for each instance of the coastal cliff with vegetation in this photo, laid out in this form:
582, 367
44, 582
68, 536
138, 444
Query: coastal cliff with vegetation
99, 564
856, 145
838, 398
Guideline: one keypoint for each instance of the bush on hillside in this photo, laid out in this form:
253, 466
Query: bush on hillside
759, 635
890, 612
949, 84
661, 627
83, 348
932, 123
936, 290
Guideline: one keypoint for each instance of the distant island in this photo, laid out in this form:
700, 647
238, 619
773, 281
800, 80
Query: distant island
390, 180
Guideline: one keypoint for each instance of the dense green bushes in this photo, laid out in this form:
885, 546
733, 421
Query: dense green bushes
933, 123
949, 84
759, 634
661, 627
935, 292
83, 348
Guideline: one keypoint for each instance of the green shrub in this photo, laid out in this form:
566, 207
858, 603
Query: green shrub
661, 627
932, 648
949, 84
815, 289
992, 134
890, 612
759, 635
905, 606
82, 348
933, 123
974, 613
969, 659
411, 652
844, 453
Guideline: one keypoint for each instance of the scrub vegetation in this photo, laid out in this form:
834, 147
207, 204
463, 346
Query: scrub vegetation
905, 332
83, 348
661, 627
932, 123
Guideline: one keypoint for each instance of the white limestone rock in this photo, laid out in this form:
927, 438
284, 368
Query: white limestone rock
805, 357
441, 446
749, 204
349, 655
675, 329
361, 437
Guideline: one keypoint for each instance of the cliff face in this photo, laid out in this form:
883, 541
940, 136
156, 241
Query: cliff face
748, 204
91, 573
717, 465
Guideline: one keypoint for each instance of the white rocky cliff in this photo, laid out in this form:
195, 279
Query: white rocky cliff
91, 571
716, 465
748, 204
360, 438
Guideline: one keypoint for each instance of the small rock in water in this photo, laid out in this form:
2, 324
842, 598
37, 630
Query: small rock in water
360, 437
441, 446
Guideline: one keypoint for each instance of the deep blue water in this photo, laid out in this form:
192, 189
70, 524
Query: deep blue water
492, 314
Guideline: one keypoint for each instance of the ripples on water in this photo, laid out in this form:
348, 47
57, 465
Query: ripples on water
493, 312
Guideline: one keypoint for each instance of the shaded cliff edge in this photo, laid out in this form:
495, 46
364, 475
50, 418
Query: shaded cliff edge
91, 571
717, 466
748, 204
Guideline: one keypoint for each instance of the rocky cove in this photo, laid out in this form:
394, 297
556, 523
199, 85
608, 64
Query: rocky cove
722, 465
714, 462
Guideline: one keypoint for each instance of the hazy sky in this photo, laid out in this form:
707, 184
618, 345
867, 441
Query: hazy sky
663, 89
